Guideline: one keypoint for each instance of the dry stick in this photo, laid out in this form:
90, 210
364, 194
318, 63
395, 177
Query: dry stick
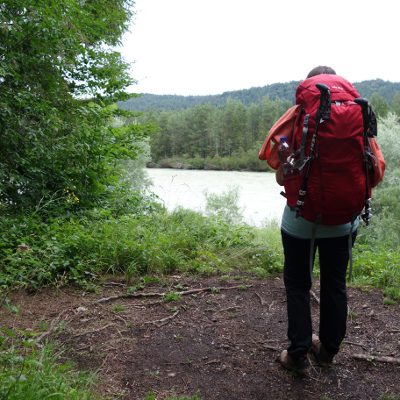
355, 344
93, 330
163, 319
274, 348
231, 308
114, 284
370, 357
51, 327
314, 296
157, 294
105, 309
261, 299
270, 306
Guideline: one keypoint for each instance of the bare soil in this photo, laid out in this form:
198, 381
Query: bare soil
220, 342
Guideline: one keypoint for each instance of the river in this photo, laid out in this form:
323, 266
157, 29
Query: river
259, 197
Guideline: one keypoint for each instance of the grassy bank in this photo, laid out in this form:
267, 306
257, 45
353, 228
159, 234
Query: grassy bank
35, 253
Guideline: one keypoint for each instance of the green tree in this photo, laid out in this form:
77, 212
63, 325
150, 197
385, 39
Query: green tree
396, 103
379, 105
59, 77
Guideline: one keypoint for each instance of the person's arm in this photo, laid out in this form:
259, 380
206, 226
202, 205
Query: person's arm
279, 176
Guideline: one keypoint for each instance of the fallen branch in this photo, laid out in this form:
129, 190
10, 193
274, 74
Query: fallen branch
160, 322
158, 294
314, 296
355, 344
231, 308
260, 298
52, 326
269, 347
370, 357
93, 330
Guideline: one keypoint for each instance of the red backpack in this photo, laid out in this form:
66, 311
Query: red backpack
330, 173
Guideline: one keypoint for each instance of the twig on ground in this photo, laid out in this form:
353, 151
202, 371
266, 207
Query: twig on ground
271, 305
262, 301
231, 308
93, 330
212, 362
158, 294
370, 357
162, 321
52, 326
355, 344
114, 284
105, 309
315, 297
269, 347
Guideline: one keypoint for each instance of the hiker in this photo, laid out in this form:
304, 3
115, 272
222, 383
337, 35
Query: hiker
321, 213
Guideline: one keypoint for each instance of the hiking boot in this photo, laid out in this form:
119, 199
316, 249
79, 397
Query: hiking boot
298, 366
323, 357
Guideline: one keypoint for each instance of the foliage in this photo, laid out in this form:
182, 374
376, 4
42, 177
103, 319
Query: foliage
379, 267
379, 105
207, 135
224, 206
377, 254
58, 80
239, 161
79, 248
386, 206
254, 95
28, 372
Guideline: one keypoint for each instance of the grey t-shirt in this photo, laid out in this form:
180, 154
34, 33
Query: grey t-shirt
302, 229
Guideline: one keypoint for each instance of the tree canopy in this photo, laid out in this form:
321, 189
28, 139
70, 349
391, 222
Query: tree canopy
59, 78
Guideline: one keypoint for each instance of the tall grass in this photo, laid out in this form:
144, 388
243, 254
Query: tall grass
36, 253
31, 373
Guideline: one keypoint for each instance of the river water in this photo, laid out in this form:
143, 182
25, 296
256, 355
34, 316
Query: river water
259, 197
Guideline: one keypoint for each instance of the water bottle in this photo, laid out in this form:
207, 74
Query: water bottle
284, 153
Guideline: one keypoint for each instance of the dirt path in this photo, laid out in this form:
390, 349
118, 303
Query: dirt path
218, 343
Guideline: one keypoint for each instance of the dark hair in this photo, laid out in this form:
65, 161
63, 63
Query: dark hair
321, 69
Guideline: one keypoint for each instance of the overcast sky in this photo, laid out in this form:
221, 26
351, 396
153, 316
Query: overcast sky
200, 47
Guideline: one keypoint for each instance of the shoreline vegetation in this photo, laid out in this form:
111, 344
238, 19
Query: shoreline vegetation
213, 164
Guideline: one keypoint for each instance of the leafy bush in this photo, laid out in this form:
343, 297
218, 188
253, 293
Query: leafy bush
79, 248
378, 266
58, 146
376, 256
224, 206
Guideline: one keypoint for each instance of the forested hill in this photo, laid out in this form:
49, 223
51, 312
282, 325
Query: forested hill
283, 91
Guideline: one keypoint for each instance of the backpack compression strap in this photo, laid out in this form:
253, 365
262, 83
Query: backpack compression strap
323, 114
363, 103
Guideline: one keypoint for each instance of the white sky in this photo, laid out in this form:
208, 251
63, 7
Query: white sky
200, 47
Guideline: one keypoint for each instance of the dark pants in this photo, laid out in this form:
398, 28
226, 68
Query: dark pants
333, 258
